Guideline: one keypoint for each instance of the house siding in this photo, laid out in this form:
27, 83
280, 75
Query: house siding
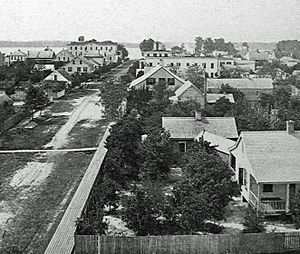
192, 94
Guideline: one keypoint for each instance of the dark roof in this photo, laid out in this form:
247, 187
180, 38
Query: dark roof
189, 127
108, 42
241, 83
274, 155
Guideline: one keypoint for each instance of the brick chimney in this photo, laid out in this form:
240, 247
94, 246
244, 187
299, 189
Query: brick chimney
198, 116
290, 125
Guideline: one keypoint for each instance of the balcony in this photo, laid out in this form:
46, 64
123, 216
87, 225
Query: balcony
273, 206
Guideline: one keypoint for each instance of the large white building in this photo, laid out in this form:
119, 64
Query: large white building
106, 49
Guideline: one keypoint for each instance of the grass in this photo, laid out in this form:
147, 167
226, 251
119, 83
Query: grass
78, 93
31, 139
61, 106
28, 232
81, 136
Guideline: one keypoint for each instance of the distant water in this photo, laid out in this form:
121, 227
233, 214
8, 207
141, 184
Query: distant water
134, 53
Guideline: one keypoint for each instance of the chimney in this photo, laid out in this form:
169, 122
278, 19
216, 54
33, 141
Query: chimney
198, 116
290, 125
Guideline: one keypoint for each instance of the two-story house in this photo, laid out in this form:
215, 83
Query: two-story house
17, 56
64, 56
80, 65
267, 167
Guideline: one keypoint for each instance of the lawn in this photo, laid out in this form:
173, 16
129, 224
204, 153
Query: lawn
86, 133
38, 215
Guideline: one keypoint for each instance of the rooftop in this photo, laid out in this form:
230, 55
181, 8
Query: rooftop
189, 127
241, 83
274, 155
108, 42
213, 97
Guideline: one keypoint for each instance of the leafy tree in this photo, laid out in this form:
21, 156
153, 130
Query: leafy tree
123, 144
208, 45
195, 74
295, 209
238, 95
206, 189
113, 93
123, 50
282, 97
157, 154
92, 223
219, 109
183, 108
35, 99
138, 99
144, 208
267, 101
198, 45
147, 45
288, 48
253, 221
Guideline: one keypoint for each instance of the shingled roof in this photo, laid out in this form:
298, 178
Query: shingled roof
274, 155
241, 83
189, 127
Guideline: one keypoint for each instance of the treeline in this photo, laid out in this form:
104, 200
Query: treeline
288, 48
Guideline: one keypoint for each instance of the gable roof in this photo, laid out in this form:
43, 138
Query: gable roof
186, 85
17, 53
41, 54
151, 72
223, 144
189, 127
274, 155
213, 97
65, 51
241, 83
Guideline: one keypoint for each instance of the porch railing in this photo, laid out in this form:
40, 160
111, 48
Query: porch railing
253, 199
273, 205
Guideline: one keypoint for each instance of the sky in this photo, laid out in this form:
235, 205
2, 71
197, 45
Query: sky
163, 20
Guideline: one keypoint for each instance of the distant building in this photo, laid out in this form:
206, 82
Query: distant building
289, 61
59, 75
46, 56
154, 76
246, 65
17, 56
80, 65
184, 130
64, 56
260, 57
107, 49
266, 165
252, 88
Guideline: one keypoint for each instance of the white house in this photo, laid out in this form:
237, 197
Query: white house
16, 56
64, 56
80, 65
59, 75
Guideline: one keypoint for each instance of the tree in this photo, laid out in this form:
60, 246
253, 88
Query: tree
144, 208
198, 45
138, 99
124, 52
195, 74
238, 95
208, 45
177, 50
113, 93
123, 144
35, 99
206, 189
157, 154
147, 45
295, 209
267, 101
253, 221
219, 109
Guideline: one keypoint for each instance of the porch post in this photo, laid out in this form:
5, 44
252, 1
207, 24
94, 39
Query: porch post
287, 202
258, 196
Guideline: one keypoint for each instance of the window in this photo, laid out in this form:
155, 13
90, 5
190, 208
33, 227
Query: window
96, 48
162, 80
68, 59
73, 62
150, 64
229, 63
171, 64
150, 81
58, 58
85, 48
204, 65
187, 64
196, 64
55, 77
233, 161
267, 187
178, 64
80, 47
221, 63
80, 62
85, 69
154, 54
78, 69
111, 48
166, 55
105, 48
182, 147
160, 55
69, 69
211, 74
171, 81
101, 48
148, 54
245, 178
70, 48
91, 48
75, 48
212, 65
292, 189
64, 58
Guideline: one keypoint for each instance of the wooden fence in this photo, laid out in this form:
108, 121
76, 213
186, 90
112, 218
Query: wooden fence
193, 244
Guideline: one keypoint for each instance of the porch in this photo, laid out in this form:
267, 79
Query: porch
271, 198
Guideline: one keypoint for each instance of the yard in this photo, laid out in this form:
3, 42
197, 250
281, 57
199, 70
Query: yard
37, 187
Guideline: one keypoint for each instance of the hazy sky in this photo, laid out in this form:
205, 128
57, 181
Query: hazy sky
164, 20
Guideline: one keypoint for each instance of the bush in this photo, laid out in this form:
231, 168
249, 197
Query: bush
254, 221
